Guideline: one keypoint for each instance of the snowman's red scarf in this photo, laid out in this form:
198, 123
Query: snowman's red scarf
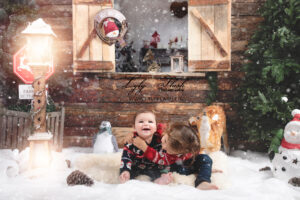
288, 145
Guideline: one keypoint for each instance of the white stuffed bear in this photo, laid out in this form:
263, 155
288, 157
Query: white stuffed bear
286, 163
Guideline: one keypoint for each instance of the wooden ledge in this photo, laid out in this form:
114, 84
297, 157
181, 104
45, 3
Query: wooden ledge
125, 75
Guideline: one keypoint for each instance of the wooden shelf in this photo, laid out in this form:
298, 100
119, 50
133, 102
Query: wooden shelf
122, 75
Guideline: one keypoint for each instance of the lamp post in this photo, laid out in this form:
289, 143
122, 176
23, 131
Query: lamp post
39, 55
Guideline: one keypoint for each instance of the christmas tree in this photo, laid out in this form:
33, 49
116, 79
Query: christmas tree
271, 88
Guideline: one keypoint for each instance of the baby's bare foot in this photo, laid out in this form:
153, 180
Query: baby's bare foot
207, 186
216, 171
165, 179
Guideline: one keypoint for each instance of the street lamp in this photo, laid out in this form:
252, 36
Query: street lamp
39, 55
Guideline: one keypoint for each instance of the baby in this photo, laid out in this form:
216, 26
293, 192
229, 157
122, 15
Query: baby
133, 162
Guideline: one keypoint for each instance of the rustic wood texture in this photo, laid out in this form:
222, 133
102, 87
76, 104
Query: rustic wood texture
80, 30
199, 65
244, 21
102, 2
207, 2
136, 90
87, 131
209, 34
39, 102
83, 48
16, 127
93, 65
242, 27
246, 8
95, 50
55, 11
53, 2
87, 47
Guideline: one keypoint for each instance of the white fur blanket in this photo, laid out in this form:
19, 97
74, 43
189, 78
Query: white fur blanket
105, 168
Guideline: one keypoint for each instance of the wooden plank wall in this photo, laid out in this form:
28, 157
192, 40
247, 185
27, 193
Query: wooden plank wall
16, 127
91, 98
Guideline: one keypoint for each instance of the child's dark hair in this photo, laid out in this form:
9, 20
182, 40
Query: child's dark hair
144, 111
183, 138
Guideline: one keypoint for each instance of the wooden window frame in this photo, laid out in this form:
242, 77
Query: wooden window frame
193, 65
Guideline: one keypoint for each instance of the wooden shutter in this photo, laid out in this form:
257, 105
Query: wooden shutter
209, 37
90, 54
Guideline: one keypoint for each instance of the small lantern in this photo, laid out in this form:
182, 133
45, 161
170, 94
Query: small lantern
39, 37
39, 54
177, 63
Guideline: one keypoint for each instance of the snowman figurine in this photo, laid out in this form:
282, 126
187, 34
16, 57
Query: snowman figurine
286, 163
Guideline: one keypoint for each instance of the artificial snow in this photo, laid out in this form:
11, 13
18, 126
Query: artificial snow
247, 182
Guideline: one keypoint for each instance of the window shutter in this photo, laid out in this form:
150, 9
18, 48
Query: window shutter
90, 54
209, 37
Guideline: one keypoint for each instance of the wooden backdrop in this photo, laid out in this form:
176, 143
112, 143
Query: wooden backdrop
90, 98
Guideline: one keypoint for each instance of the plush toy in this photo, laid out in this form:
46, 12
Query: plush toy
286, 163
105, 141
211, 125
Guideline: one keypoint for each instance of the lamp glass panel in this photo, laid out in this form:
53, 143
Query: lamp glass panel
40, 155
39, 50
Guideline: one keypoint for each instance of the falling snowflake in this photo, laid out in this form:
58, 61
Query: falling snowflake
285, 99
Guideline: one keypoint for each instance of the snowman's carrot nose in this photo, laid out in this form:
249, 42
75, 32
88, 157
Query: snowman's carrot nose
293, 133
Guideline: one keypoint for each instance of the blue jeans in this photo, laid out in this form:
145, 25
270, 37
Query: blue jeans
201, 165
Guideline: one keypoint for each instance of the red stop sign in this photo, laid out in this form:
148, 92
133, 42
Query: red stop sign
23, 71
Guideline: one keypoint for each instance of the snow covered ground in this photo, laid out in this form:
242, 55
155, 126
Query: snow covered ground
246, 182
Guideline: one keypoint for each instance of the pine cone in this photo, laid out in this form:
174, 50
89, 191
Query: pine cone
79, 178
267, 168
295, 181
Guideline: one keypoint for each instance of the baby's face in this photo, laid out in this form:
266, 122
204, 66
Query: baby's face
145, 125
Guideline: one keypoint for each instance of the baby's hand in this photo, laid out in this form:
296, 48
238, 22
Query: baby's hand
124, 176
140, 143
128, 138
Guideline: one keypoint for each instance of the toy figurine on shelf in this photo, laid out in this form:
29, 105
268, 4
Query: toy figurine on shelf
155, 39
152, 65
146, 44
